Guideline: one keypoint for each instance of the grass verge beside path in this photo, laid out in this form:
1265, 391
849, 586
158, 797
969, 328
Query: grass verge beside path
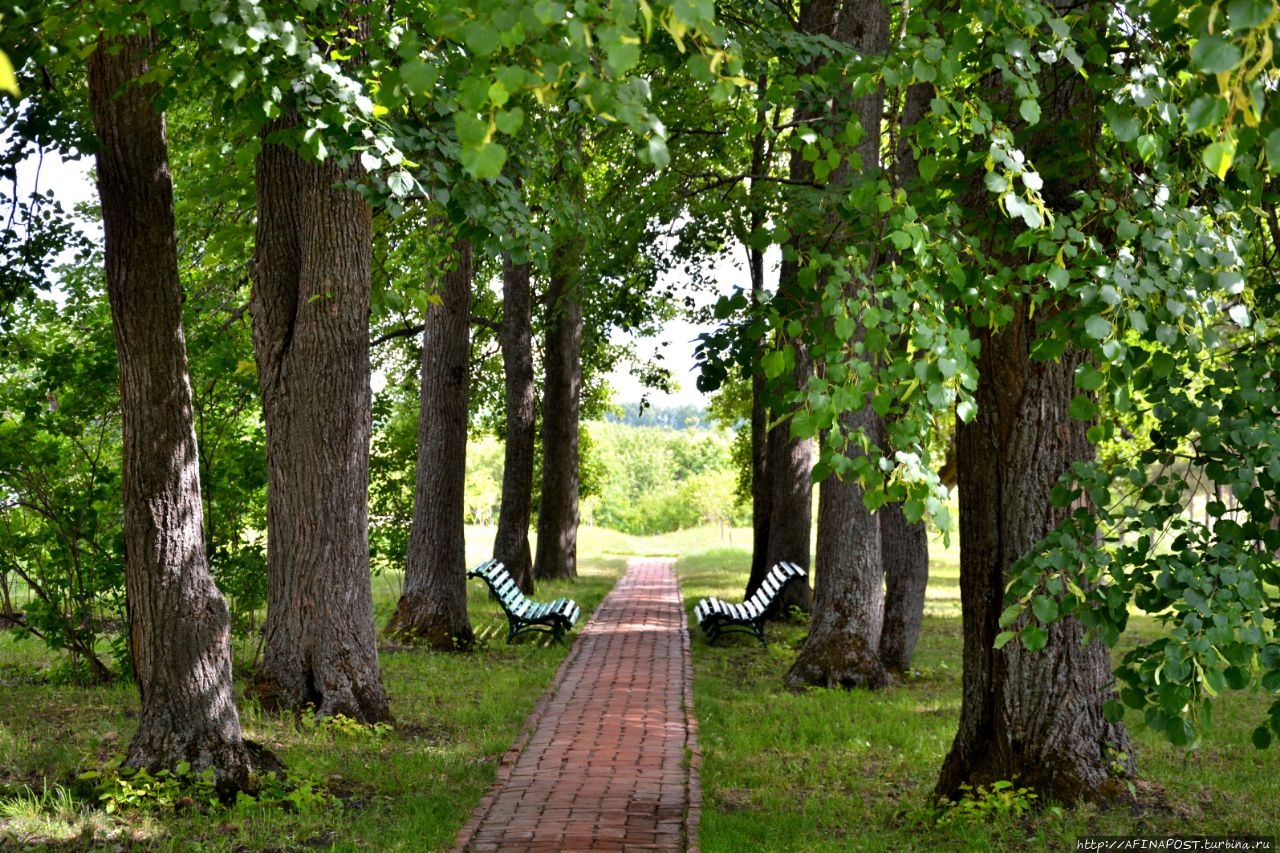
407, 788
833, 770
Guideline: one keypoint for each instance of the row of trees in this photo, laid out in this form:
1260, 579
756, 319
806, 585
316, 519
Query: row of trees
1041, 225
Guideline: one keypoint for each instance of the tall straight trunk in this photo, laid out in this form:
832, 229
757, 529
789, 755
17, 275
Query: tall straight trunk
433, 606
904, 546
761, 487
843, 645
557, 554
1031, 716
904, 554
310, 310
842, 648
511, 544
179, 624
789, 462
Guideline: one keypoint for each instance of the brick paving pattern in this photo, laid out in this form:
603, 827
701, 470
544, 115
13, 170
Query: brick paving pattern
609, 759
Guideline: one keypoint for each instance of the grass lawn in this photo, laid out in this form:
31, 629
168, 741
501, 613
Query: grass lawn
830, 770
813, 771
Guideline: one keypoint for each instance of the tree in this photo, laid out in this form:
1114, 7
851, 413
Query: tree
433, 606
311, 339
511, 543
557, 550
179, 625
843, 644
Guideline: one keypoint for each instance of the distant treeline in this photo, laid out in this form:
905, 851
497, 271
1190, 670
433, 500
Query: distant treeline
674, 417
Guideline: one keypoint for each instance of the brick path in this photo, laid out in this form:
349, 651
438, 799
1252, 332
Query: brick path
609, 758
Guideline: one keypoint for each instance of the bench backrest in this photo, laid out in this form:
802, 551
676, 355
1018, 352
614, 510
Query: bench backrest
500, 581
779, 576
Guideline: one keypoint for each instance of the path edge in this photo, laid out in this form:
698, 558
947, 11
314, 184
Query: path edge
507, 763
693, 778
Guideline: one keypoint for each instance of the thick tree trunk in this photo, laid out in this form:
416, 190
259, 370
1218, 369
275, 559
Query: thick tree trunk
179, 625
557, 554
843, 645
511, 544
433, 607
904, 554
1031, 716
311, 338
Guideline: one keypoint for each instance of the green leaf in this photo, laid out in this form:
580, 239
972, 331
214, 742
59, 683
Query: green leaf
485, 161
1112, 711
1003, 638
1034, 638
481, 37
1029, 109
773, 364
1083, 408
509, 121
1214, 54
419, 77
1010, 615
1248, 14
1097, 327
1045, 608
1273, 150
1123, 123
1206, 112
1218, 157
658, 153
1261, 737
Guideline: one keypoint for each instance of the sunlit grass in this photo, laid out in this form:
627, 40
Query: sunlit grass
833, 770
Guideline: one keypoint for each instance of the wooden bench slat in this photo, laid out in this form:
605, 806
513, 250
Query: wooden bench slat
715, 615
523, 613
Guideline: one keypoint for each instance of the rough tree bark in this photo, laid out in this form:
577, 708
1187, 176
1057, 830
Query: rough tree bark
511, 543
557, 554
842, 648
789, 463
1031, 716
179, 624
310, 309
433, 606
904, 554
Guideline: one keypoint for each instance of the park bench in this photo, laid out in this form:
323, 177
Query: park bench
715, 615
525, 614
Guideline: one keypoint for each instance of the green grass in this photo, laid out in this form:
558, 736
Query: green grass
812, 771
410, 788
827, 770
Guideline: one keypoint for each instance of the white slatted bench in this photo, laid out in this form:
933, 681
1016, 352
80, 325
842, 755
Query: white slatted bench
716, 615
525, 614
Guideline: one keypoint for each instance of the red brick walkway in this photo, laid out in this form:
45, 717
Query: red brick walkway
609, 759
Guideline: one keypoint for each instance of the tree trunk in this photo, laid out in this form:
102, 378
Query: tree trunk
789, 462
761, 486
1034, 717
904, 554
904, 547
843, 645
310, 310
179, 624
511, 545
433, 607
557, 555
